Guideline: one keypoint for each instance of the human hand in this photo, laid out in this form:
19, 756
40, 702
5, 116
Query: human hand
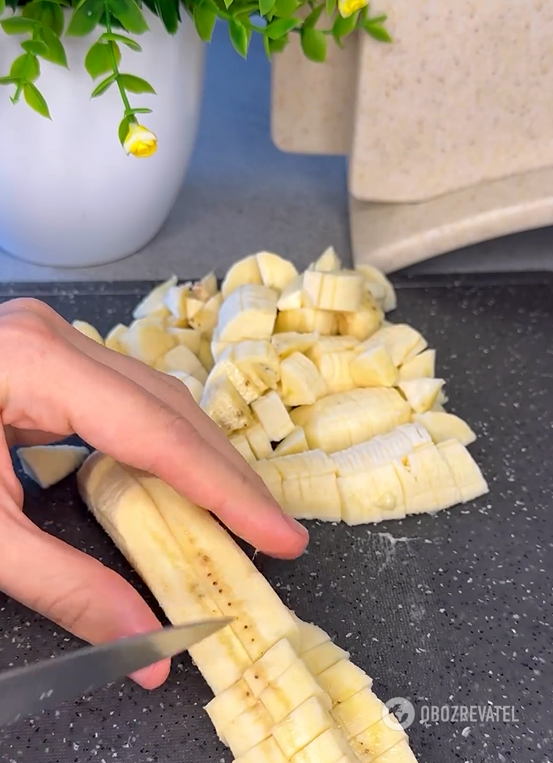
54, 382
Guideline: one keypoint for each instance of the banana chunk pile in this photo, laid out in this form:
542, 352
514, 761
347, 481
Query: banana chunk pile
337, 409
284, 692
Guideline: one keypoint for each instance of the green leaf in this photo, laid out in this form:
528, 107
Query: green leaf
204, 20
123, 130
342, 27
228, 3
266, 6
313, 44
285, 8
35, 99
168, 12
123, 39
25, 67
8, 81
36, 47
2, 6
104, 85
239, 37
274, 46
376, 31
48, 13
314, 16
55, 52
85, 18
135, 84
330, 7
98, 59
18, 25
129, 14
277, 29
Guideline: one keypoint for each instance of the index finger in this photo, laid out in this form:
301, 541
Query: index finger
120, 418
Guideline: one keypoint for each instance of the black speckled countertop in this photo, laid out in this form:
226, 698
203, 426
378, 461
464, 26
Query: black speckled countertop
454, 609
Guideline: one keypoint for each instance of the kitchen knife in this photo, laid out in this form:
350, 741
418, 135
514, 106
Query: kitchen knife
46, 684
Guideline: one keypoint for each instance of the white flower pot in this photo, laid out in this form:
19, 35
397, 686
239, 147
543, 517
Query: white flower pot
69, 194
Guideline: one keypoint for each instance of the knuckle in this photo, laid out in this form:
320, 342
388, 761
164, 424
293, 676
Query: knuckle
68, 607
24, 320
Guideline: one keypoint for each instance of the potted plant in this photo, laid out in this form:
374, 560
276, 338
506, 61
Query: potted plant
99, 108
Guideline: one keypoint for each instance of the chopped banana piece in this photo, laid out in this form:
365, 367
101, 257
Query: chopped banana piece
194, 385
268, 668
302, 726
223, 403
273, 416
258, 440
419, 367
242, 445
146, 341
399, 753
300, 380
374, 368
290, 689
401, 341
193, 307
153, 303
229, 704
288, 343
243, 272
295, 442
359, 712
361, 323
335, 370
380, 450
338, 421
291, 297
48, 464
176, 299
371, 496
342, 680
306, 320
332, 344
88, 330
312, 497
205, 288
275, 271
337, 291
114, 339
329, 747
323, 656
271, 477
190, 338
248, 313
267, 751
445, 426
377, 739
378, 284
421, 394
427, 481
327, 262
313, 463
247, 730
180, 358
465, 470
311, 635
205, 319
205, 355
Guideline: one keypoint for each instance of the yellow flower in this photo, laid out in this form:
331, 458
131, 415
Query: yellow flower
140, 141
349, 7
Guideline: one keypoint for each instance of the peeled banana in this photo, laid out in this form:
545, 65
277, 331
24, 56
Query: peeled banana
283, 691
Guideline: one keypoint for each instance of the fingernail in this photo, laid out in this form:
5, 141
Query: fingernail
296, 526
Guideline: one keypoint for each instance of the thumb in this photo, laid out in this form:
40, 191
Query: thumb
73, 590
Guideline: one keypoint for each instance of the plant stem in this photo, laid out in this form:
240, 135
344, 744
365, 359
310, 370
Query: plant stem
122, 91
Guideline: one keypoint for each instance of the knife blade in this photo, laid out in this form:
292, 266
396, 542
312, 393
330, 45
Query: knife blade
30, 689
